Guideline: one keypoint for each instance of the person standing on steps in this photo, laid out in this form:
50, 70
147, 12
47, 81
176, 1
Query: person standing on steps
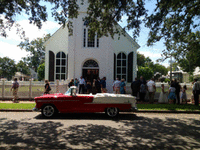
116, 86
81, 85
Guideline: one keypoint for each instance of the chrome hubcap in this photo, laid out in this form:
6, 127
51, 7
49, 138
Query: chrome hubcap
48, 111
112, 111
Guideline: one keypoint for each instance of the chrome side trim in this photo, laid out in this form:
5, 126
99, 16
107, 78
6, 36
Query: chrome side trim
55, 100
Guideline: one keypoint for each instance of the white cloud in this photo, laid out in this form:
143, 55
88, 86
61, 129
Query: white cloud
32, 31
9, 45
12, 51
151, 54
154, 55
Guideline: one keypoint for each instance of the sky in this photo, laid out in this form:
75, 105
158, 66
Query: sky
10, 49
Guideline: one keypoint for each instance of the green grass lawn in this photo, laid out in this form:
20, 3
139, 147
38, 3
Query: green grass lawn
185, 107
16, 106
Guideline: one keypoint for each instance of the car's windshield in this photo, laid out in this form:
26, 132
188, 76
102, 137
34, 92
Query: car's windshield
68, 92
71, 91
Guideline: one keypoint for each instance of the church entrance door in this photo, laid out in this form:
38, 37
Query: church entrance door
90, 74
90, 70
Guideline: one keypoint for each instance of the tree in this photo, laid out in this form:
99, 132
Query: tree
36, 49
146, 72
190, 62
177, 23
143, 61
41, 71
8, 67
36, 11
140, 59
159, 68
23, 67
174, 21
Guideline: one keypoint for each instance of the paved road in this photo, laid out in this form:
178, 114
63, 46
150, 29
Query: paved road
23, 130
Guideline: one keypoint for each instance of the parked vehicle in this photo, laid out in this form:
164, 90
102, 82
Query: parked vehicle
70, 102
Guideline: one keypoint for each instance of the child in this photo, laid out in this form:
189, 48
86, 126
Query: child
183, 94
163, 97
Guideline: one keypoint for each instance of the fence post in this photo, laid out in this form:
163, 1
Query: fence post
30, 89
3, 89
57, 86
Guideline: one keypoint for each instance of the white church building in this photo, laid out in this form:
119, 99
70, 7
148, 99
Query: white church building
71, 56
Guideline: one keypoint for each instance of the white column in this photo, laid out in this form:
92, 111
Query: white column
46, 64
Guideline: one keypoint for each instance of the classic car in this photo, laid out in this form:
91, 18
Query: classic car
71, 102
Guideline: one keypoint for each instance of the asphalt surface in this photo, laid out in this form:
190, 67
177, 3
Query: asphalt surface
24, 130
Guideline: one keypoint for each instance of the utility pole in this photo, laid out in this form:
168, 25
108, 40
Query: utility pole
171, 69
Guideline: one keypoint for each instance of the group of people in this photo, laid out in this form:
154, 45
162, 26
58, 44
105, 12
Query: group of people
119, 87
96, 86
175, 89
141, 87
174, 92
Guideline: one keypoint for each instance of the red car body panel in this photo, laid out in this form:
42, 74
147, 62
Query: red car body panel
77, 104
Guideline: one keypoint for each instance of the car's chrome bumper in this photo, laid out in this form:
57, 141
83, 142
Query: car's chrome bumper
35, 109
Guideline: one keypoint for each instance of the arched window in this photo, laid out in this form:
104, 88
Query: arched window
89, 41
122, 66
61, 62
90, 63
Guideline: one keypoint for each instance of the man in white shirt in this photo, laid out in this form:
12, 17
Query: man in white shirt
151, 89
81, 85
116, 86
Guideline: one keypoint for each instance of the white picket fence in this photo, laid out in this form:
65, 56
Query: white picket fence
30, 89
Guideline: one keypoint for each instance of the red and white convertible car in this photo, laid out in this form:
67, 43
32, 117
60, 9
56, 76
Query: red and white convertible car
70, 102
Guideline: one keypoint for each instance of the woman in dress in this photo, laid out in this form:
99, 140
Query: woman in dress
184, 95
163, 96
122, 87
172, 95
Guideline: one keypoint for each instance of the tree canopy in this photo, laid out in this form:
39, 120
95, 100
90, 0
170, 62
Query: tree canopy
8, 68
36, 49
143, 61
174, 21
146, 72
41, 71
23, 67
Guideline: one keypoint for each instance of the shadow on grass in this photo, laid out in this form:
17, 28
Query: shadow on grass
136, 133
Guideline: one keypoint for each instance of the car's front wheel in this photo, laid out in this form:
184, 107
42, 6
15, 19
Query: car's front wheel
49, 111
112, 111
